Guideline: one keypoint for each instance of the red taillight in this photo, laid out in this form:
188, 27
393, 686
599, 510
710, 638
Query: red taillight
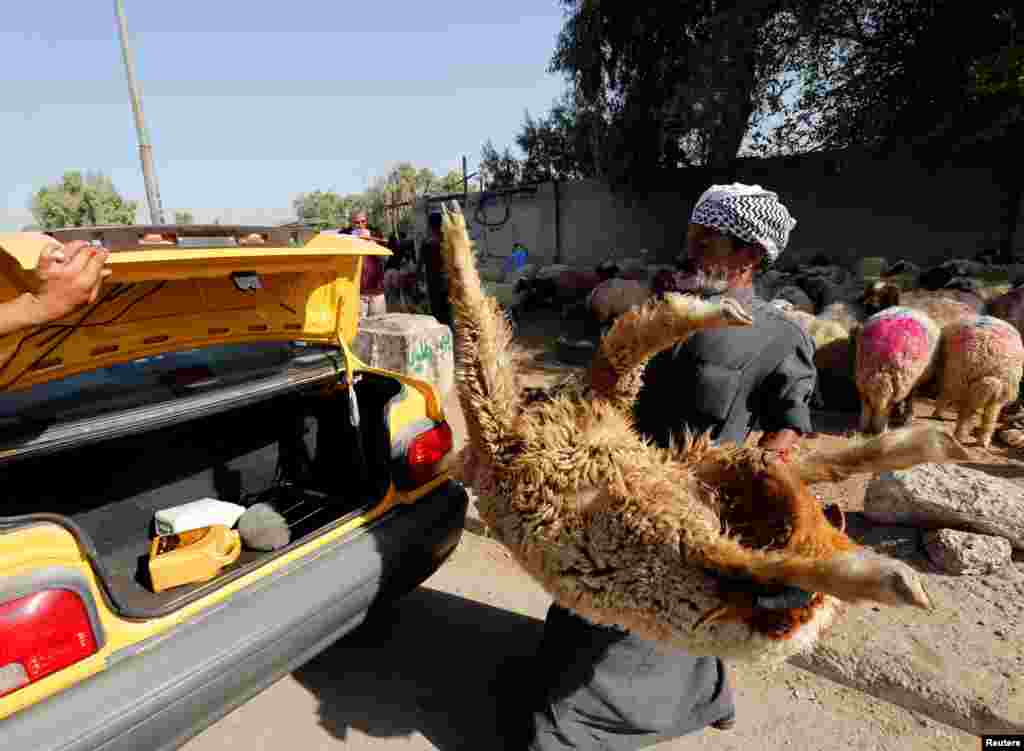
426, 451
40, 634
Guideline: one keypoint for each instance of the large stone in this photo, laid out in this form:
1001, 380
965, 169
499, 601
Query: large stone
965, 552
415, 345
948, 495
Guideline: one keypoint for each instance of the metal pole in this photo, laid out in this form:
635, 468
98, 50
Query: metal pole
156, 213
465, 183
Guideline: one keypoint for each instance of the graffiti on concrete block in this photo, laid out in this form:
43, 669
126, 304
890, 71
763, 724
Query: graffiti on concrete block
420, 358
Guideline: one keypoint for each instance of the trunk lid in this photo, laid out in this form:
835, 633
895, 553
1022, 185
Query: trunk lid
175, 288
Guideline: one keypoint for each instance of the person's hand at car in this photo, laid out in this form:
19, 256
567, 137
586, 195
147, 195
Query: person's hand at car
68, 277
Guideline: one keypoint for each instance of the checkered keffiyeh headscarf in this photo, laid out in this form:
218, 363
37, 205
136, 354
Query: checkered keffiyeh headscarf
748, 212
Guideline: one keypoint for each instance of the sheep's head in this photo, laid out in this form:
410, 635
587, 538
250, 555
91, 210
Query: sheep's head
780, 556
880, 295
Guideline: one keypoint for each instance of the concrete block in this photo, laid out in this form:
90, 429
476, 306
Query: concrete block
415, 345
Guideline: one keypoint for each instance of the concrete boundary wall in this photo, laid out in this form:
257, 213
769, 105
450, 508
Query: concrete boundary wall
847, 205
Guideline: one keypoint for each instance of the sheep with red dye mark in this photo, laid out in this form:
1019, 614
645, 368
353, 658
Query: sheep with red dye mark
982, 363
897, 352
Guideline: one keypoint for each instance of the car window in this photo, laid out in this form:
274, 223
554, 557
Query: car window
153, 379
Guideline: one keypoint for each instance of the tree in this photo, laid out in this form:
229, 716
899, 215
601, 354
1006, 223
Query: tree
324, 208
673, 85
184, 217
450, 183
945, 79
79, 200
558, 146
501, 169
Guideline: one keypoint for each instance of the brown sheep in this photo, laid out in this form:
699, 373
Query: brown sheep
939, 306
655, 540
982, 364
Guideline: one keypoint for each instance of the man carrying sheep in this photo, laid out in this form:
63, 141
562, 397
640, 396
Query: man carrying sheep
602, 687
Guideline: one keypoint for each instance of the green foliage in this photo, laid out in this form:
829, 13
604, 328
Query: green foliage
184, 217
945, 79
388, 201
324, 209
502, 169
450, 183
79, 200
671, 85
941, 77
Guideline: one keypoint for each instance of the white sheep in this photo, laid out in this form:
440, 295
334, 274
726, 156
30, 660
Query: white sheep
897, 352
982, 364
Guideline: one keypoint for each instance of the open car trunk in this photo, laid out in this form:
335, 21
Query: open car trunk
297, 450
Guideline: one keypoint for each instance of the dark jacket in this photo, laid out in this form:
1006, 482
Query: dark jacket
731, 381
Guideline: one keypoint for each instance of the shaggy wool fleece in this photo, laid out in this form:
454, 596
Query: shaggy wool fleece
649, 539
982, 364
940, 307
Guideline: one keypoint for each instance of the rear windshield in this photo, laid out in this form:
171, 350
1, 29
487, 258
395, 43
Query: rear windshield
151, 380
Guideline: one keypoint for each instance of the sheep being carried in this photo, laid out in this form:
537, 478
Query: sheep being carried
686, 546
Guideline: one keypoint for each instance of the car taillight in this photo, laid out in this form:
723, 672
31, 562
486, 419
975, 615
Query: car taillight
426, 451
40, 634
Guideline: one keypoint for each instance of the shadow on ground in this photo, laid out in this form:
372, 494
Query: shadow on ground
424, 665
892, 540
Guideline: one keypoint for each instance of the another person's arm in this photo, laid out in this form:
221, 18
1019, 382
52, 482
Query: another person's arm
69, 277
785, 411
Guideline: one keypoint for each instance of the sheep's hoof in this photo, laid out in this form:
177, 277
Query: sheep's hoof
733, 312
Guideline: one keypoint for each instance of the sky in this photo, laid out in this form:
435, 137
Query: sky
249, 104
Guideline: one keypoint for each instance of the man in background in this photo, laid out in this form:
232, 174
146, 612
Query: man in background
432, 263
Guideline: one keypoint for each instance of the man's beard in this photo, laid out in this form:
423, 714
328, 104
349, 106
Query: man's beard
710, 283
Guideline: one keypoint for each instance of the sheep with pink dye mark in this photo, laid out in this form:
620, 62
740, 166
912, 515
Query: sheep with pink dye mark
897, 352
982, 363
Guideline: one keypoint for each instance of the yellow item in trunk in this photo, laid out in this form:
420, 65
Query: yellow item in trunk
196, 555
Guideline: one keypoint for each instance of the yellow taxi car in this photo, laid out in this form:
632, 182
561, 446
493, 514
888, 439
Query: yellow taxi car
215, 364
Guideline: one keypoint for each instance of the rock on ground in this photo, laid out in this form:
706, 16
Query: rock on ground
965, 552
948, 495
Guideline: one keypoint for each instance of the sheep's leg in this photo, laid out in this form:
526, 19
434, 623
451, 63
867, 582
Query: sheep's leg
485, 368
903, 412
643, 332
988, 399
879, 421
989, 421
856, 576
865, 416
964, 420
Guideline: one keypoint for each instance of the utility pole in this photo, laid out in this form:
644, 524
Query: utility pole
156, 212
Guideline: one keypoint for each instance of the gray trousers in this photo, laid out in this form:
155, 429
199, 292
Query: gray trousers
606, 689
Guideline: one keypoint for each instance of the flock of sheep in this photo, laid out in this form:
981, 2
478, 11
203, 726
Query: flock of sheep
877, 345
